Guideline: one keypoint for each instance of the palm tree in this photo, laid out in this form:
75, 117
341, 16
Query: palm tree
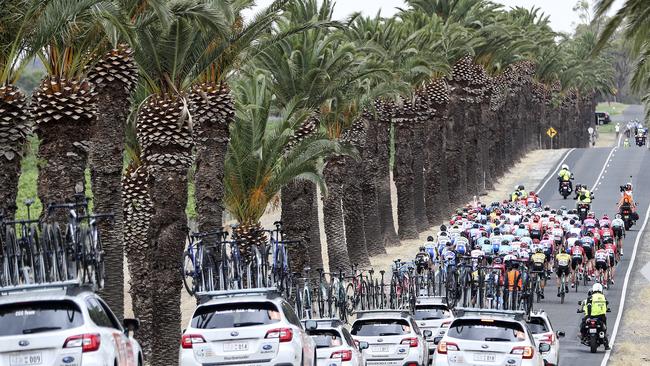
15, 125
169, 52
263, 155
63, 104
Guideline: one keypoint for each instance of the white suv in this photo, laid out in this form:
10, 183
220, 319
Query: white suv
489, 337
540, 325
63, 324
393, 337
255, 326
334, 344
432, 313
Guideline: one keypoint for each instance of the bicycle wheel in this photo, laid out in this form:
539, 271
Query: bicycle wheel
73, 253
52, 234
98, 262
87, 267
38, 255
49, 256
13, 256
188, 273
350, 299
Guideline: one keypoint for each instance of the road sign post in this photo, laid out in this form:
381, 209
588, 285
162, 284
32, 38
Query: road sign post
551, 132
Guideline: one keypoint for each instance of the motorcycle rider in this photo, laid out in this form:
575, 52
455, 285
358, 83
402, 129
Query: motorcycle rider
627, 201
519, 193
565, 175
584, 195
595, 306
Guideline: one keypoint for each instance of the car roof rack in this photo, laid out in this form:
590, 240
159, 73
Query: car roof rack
431, 300
70, 287
513, 314
268, 292
332, 322
401, 312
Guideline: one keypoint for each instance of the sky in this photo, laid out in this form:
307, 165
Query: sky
563, 18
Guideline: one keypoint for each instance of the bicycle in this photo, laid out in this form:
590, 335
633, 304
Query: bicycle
199, 265
25, 256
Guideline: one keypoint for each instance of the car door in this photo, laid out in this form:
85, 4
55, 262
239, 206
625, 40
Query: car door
128, 354
110, 330
308, 347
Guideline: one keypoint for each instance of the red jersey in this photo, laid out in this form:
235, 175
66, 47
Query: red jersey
577, 251
610, 249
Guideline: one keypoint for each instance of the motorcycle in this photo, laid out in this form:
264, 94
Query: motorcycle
640, 140
583, 210
565, 189
628, 218
593, 332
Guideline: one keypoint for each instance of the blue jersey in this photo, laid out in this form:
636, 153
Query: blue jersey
449, 256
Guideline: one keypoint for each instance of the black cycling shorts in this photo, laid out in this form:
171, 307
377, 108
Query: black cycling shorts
601, 266
589, 252
562, 269
575, 262
612, 261
618, 232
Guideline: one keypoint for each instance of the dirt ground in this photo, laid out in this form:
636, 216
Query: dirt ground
529, 171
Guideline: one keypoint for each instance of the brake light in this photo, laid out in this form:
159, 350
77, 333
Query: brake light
592, 322
87, 342
283, 334
526, 352
343, 355
443, 347
412, 342
189, 340
548, 338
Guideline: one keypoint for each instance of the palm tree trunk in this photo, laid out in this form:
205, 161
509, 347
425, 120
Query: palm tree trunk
385, 204
14, 128
421, 221
337, 249
371, 220
455, 153
64, 130
214, 110
404, 177
106, 161
300, 222
437, 190
138, 208
355, 235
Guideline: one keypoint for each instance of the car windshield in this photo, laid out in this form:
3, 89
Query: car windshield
380, 327
39, 317
537, 325
326, 338
235, 315
431, 312
487, 330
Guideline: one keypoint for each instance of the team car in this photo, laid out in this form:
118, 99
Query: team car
432, 313
63, 324
334, 343
255, 326
540, 325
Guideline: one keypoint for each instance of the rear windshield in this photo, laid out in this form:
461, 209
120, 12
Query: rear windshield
431, 312
537, 325
326, 338
487, 330
39, 317
235, 315
380, 327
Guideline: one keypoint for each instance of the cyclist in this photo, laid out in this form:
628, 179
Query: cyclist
578, 257
610, 248
563, 262
431, 247
602, 263
618, 226
538, 260
422, 261
584, 196
565, 175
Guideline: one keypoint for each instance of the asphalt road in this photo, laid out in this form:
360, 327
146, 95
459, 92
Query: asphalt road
610, 168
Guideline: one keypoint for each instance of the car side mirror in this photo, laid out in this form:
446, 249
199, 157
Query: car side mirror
131, 324
544, 347
560, 334
363, 345
437, 340
310, 325
427, 333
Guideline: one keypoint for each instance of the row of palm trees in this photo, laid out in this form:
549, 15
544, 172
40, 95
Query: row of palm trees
443, 97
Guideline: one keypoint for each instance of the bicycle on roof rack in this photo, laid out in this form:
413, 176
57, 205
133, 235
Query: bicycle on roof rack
24, 259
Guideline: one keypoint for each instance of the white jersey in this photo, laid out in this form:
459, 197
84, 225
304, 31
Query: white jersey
571, 241
601, 255
557, 233
618, 223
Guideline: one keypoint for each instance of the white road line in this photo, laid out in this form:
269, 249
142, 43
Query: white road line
620, 136
556, 170
625, 283
602, 171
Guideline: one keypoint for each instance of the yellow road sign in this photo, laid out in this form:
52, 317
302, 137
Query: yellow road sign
551, 132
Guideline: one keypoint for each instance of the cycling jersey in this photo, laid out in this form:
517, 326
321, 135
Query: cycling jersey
610, 249
521, 232
477, 253
524, 253
431, 249
577, 251
571, 241
449, 256
557, 234
563, 259
618, 223
601, 255
539, 258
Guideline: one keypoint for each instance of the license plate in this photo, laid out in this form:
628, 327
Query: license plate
235, 346
592, 330
24, 359
485, 357
383, 349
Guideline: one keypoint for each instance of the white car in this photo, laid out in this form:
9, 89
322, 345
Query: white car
540, 325
334, 344
63, 324
432, 313
489, 337
393, 338
255, 326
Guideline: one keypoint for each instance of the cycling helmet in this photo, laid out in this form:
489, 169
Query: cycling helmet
497, 260
497, 231
591, 215
522, 226
422, 249
578, 242
539, 250
523, 245
535, 218
564, 166
605, 217
597, 287
553, 212
505, 242
618, 216
443, 228
521, 187
531, 193
429, 238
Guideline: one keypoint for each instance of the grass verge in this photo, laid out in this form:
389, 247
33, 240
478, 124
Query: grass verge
612, 108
